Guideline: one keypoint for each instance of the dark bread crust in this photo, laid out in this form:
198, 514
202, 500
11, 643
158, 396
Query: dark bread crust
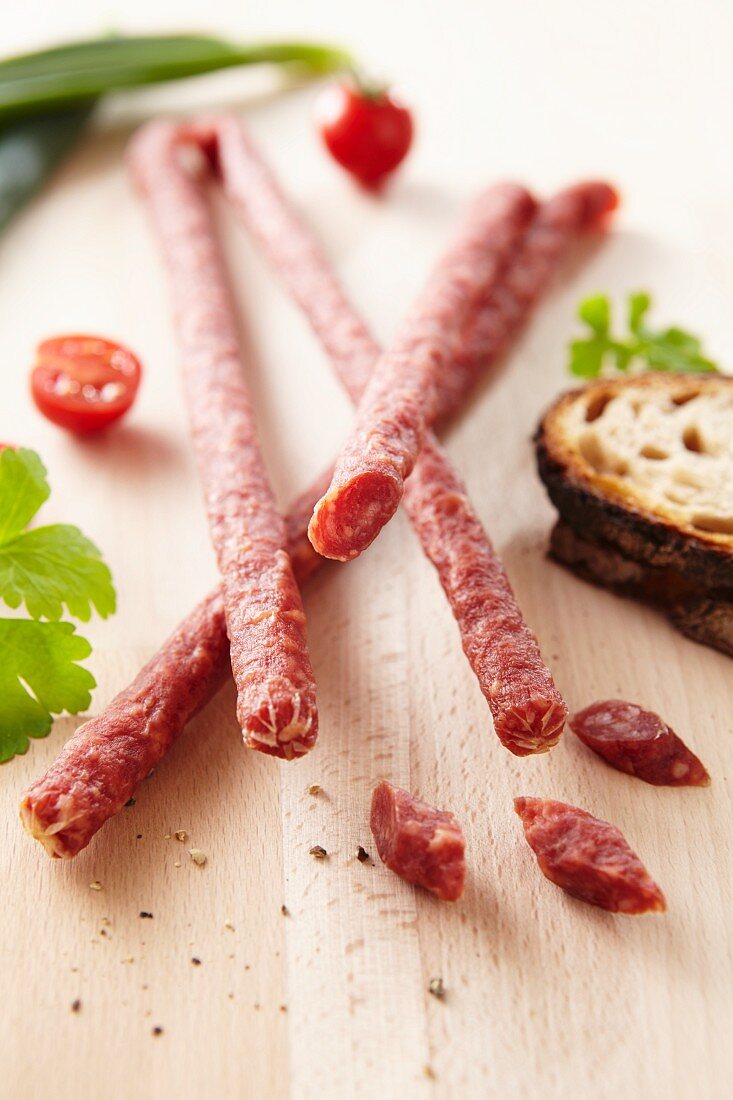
700, 614
602, 508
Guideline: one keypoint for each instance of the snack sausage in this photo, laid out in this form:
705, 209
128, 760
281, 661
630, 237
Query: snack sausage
527, 709
101, 766
371, 470
276, 699
576, 211
401, 398
66, 807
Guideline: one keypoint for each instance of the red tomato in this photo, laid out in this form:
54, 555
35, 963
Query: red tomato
84, 383
368, 134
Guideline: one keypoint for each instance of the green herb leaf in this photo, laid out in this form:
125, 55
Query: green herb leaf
670, 349
586, 357
39, 677
47, 97
23, 489
639, 305
48, 568
55, 567
596, 312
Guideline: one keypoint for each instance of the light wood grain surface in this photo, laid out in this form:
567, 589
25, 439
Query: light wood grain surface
545, 996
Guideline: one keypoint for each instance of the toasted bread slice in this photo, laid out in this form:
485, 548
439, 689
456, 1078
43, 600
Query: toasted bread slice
700, 614
644, 465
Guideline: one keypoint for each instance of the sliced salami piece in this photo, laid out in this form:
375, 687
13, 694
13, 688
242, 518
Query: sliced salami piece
422, 845
401, 398
638, 742
587, 857
276, 700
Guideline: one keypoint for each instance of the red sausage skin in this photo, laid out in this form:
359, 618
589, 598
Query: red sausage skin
101, 766
276, 692
402, 397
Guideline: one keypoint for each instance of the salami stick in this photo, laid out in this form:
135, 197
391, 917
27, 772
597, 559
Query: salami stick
276, 702
65, 808
527, 709
401, 397
101, 766
465, 316
557, 225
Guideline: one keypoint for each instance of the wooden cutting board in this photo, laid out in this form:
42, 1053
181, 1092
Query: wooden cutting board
329, 997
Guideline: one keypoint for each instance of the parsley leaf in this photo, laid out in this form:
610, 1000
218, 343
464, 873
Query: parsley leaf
23, 489
670, 349
48, 567
39, 677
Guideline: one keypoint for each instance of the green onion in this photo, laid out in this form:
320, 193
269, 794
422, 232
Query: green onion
70, 75
29, 152
46, 98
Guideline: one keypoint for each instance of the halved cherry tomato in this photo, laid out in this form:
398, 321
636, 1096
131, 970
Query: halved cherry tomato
368, 133
84, 383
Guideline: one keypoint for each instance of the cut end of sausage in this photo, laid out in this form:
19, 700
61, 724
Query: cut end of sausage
532, 727
350, 516
284, 724
41, 820
587, 857
601, 201
422, 845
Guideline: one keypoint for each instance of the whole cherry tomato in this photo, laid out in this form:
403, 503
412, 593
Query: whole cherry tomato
84, 383
368, 133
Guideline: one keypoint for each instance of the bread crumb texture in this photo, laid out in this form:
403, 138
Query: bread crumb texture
666, 442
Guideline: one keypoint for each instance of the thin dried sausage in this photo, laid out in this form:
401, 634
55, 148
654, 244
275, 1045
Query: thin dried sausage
101, 766
587, 857
276, 700
103, 763
401, 398
393, 419
422, 845
65, 808
575, 212
527, 709
638, 742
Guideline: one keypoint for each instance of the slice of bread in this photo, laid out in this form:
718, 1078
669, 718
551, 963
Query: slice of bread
701, 614
641, 471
